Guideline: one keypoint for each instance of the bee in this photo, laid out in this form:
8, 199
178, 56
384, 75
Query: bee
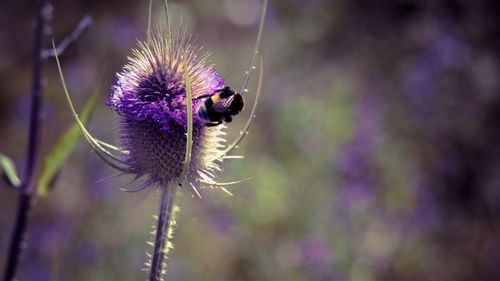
220, 106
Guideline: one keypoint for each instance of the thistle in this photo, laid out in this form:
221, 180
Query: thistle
150, 100
157, 97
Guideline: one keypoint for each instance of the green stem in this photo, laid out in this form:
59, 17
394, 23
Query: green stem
189, 112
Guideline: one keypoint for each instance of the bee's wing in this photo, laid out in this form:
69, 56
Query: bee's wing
223, 105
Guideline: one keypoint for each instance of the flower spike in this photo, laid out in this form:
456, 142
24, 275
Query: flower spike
189, 111
245, 130
251, 66
99, 150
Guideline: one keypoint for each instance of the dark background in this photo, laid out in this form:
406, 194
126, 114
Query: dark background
374, 153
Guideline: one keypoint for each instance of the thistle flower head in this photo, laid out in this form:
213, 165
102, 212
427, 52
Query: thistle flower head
155, 95
150, 98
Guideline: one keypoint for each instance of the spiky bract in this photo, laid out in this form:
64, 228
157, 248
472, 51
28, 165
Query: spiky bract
150, 97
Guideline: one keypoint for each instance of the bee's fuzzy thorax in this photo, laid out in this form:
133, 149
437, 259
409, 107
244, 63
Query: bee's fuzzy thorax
150, 98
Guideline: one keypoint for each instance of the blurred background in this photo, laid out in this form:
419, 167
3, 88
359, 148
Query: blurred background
374, 153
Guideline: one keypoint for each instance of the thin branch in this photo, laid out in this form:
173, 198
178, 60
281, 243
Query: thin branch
169, 27
251, 66
149, 19
49, 53
98, 149
245, 130
84, 23
26, 194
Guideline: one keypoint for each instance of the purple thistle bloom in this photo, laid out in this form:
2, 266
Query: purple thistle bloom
160, 136
150, 98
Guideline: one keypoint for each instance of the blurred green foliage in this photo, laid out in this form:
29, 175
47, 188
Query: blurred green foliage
57, 157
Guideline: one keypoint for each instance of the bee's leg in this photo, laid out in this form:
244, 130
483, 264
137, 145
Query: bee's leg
222, 89
203, 96
213, 124
228, 119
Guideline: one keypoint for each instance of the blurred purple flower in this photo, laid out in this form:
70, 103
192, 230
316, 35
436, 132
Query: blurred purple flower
354, 164
315, 252
444, 51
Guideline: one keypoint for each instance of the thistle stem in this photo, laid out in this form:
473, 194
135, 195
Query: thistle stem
26, 194
163, 227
